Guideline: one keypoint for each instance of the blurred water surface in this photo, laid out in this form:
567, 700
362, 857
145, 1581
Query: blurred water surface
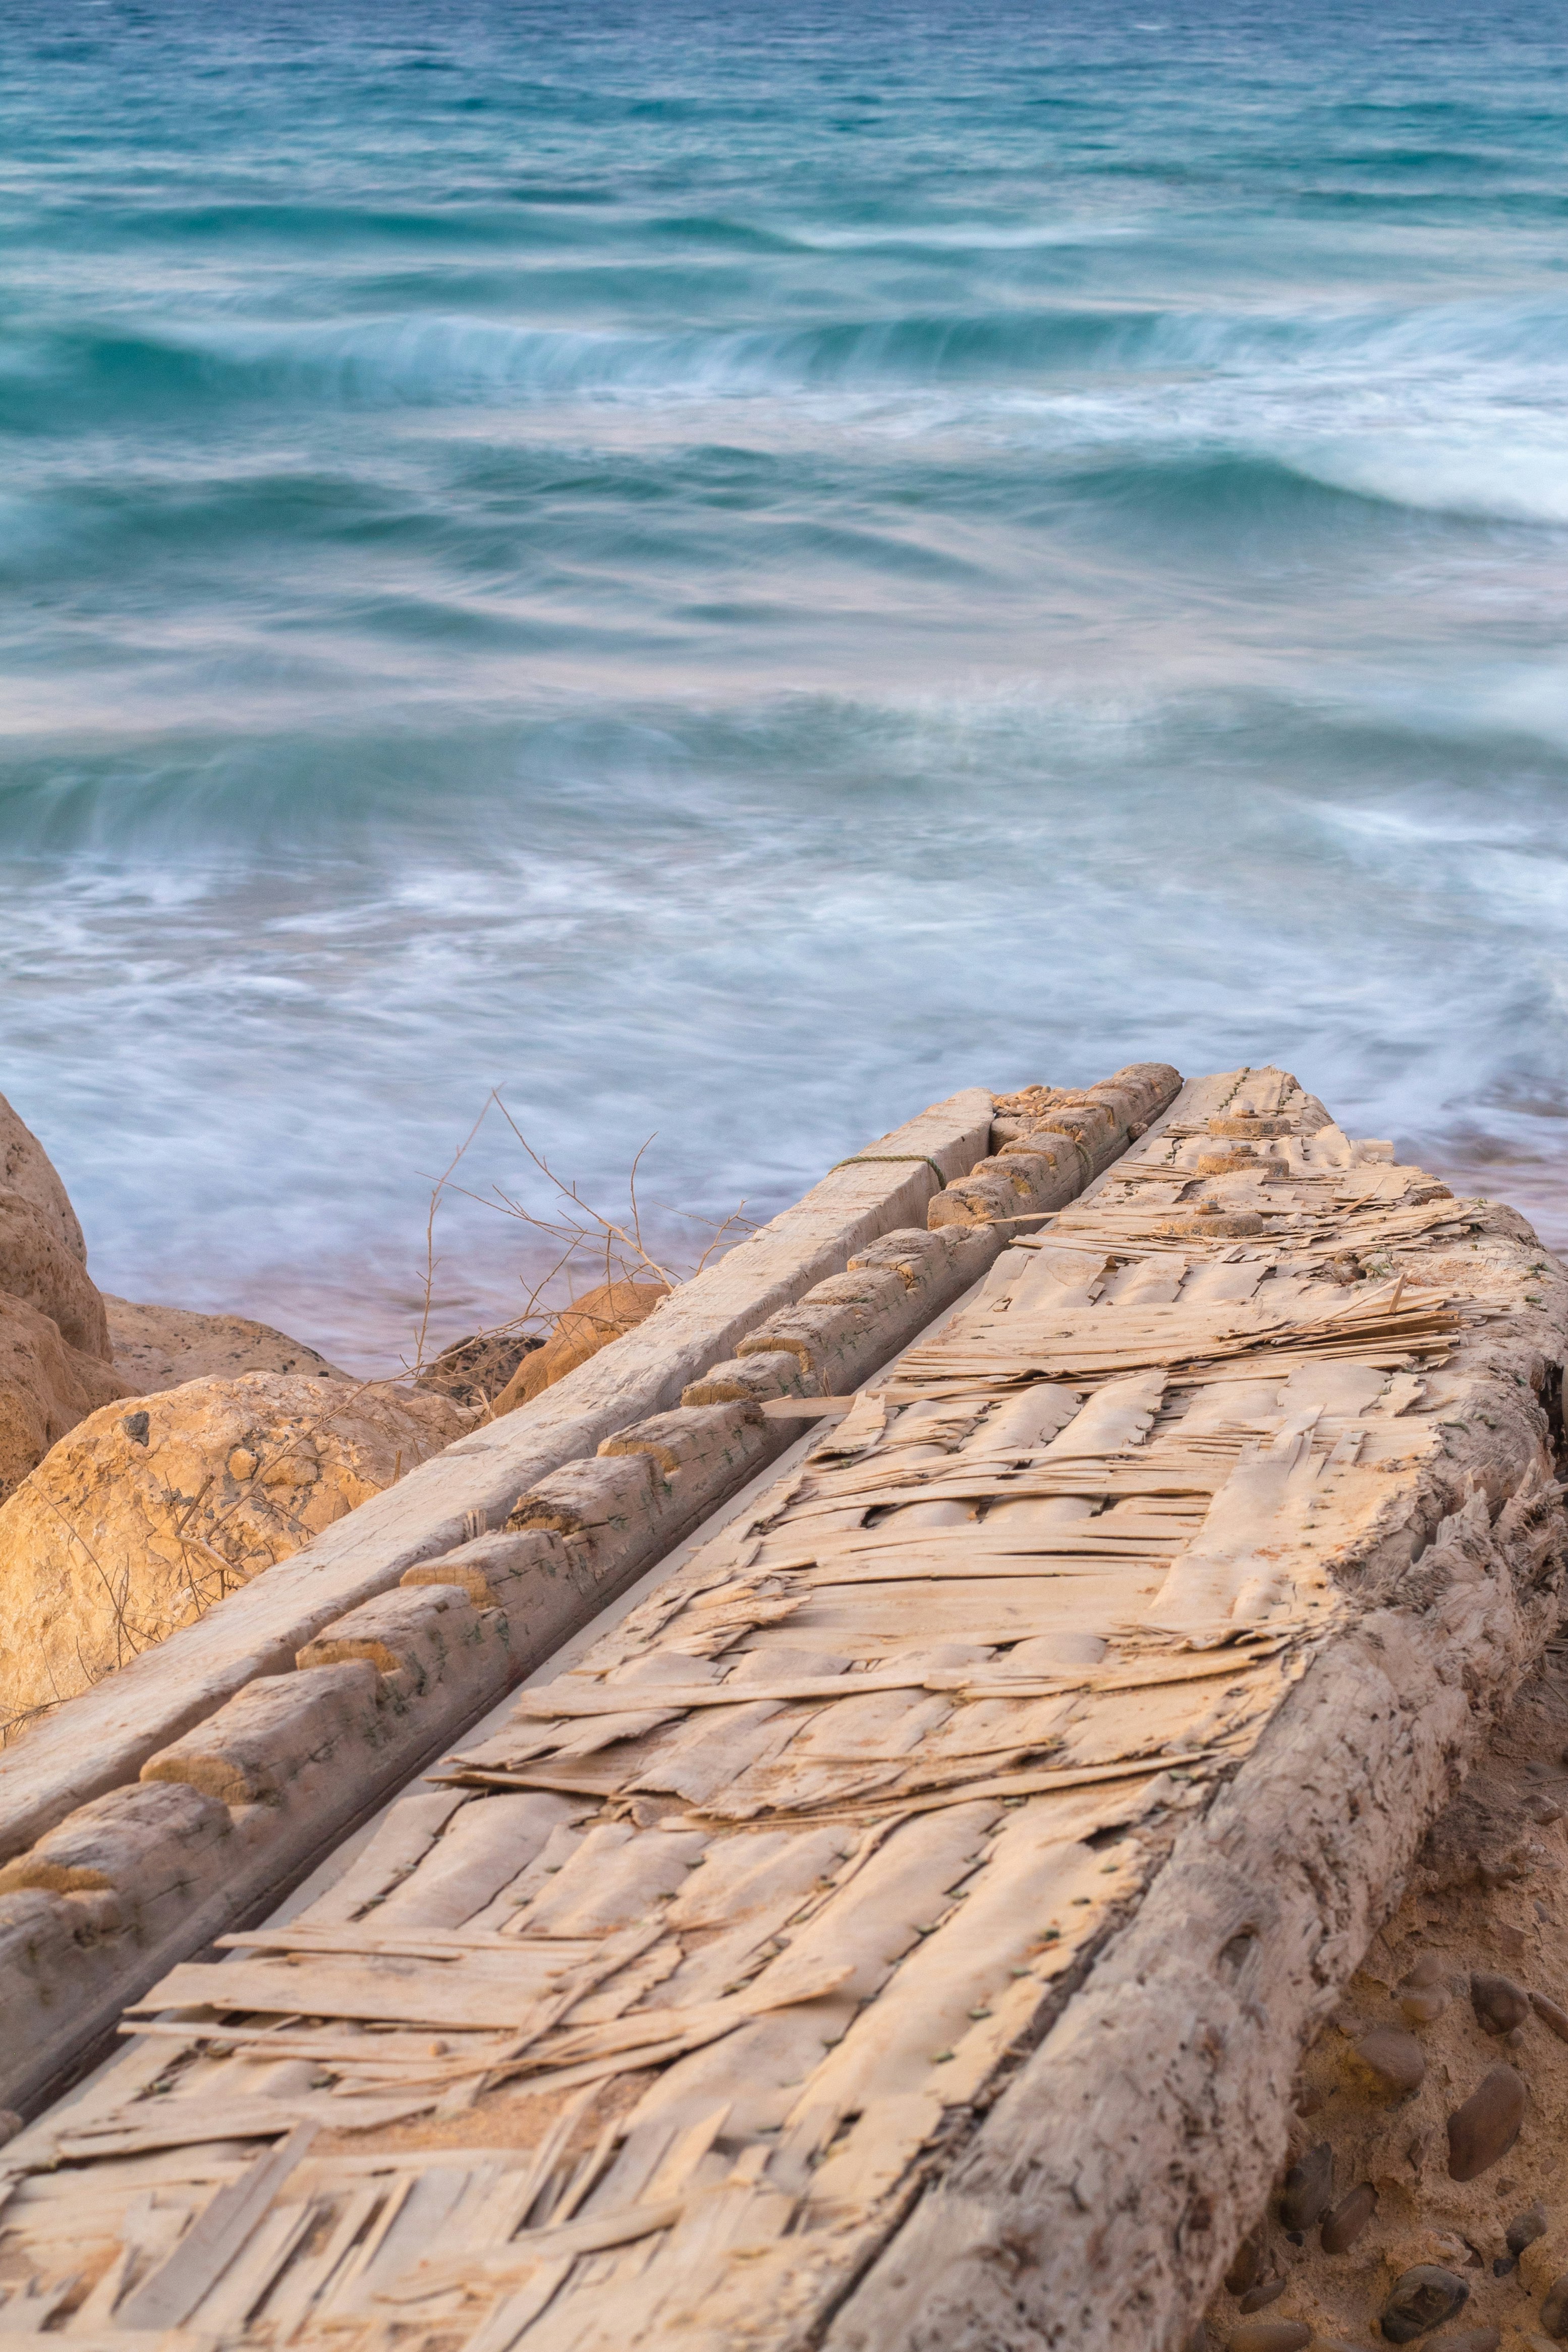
729, 569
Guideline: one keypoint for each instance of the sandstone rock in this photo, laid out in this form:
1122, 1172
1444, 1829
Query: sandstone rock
475, 1371
54, 1336
142, 1517
26, 1169
43, 1258
581, 1329
158, 1348
36, 1266
46, 1388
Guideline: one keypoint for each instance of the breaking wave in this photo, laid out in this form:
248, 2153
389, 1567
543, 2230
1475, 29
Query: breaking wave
729, 573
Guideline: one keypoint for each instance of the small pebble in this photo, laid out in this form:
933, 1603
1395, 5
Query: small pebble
1350, 2217
242, 1464
1266, 2292
1486, 2126
1422, 2008
1424, 1995
1270, 2336
1245, 2265
1421, 2299
1550, 2015
1524, 2231
1554, 2310
1474, 2339
1499, 2004
1308, 2188
1395, 2057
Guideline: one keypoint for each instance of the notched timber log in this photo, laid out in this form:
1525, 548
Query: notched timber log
101, 1739
903, 1923
447, 1634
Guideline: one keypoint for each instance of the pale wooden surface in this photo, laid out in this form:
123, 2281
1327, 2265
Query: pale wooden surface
916, 1925
108, 1733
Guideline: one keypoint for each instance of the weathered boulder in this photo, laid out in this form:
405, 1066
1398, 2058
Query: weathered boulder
472, 1371
149, 1512
160, 1347
26, 1169
581, 1329
46, 1388
55, 1363
43, 1259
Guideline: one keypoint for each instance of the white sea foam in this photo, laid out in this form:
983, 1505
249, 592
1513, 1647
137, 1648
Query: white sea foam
729, 592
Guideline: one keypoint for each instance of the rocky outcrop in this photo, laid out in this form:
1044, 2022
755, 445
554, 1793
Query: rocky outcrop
28, 1172
54, 1360
46, 1388
149, 1511
43, 1258
581, 1329
160, 1347
474, 1372
65, 1350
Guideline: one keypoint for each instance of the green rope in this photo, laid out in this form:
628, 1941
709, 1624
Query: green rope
891, 1159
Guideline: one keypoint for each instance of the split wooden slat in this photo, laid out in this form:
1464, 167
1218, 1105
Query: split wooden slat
815, 1843
168, 2297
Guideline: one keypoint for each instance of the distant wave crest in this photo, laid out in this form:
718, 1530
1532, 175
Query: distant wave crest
1437, 409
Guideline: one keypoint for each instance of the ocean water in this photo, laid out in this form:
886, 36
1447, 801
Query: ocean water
726, 569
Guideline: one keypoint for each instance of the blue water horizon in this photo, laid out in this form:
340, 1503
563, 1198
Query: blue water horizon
729, 570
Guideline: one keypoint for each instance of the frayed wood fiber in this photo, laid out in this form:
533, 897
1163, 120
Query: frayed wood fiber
902, 1928
270, 1728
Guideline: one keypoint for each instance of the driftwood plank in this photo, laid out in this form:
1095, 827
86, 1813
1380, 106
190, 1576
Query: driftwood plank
169, 2296
978, 1870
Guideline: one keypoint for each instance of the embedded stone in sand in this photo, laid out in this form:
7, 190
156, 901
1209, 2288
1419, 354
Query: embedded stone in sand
1422, 2299
1393, 2058
1350, 2217
1308, 2188
1271, 2336
1486, 2126
1499, 2004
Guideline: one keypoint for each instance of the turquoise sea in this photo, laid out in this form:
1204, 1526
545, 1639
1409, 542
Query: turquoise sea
727, 569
